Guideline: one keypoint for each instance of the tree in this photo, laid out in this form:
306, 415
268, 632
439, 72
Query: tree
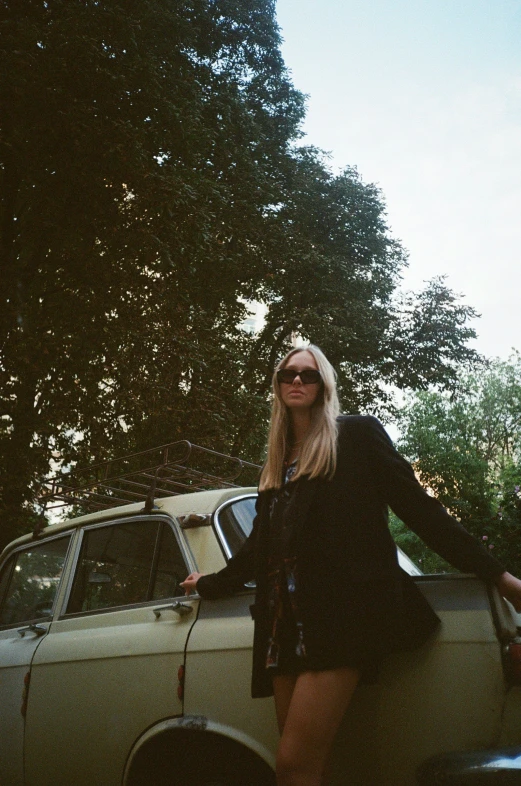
333, 280
151, 184
466, 447
141, 142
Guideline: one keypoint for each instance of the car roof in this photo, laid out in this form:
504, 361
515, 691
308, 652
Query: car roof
202, 502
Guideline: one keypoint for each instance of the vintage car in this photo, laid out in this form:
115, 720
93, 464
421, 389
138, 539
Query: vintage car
110, 675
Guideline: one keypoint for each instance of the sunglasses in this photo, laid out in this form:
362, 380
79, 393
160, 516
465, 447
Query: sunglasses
308, 377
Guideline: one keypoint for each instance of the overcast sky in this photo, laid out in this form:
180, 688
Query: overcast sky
424, 98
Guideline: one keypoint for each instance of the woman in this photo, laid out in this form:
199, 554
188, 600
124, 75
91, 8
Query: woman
320, 533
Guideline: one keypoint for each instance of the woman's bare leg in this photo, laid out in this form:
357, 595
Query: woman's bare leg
317, 705
283, 687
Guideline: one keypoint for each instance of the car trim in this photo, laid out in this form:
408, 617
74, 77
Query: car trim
217, 527
128, 607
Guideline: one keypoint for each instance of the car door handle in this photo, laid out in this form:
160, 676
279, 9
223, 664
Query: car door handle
38, 629
180, 608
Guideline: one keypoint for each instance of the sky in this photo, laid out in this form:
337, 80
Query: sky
424, 98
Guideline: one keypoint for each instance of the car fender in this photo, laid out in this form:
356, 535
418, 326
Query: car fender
204, 725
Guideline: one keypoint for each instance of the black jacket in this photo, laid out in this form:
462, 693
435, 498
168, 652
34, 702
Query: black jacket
340, 536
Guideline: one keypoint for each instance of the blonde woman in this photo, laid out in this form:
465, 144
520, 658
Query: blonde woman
321, 528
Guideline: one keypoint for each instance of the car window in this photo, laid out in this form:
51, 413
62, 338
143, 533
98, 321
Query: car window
171, 567
234, 522
29, 582
127, 563
422, 556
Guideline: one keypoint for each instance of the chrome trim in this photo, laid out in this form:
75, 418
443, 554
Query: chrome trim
39, 630
145, 604
34, 544
75, 557
217, 527
180, 608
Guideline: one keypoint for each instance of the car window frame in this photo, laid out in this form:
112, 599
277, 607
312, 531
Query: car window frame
170, 521
68, 533
221, 540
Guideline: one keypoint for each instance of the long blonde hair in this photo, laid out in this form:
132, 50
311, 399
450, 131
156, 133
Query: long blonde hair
318, 453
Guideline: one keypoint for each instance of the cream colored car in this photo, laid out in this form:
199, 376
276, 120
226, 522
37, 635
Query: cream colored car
110, 676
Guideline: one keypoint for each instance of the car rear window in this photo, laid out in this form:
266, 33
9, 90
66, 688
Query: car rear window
234, 522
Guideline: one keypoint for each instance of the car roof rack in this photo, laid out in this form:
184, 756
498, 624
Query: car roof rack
168, 470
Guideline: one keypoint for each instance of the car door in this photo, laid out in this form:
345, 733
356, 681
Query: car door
108, 668
29, 582
218, 658
447, 695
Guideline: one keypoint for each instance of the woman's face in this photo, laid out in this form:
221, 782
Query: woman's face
296, 395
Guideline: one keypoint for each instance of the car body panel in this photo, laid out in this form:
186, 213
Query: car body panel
449, 694
382, 738
104, 682
218, 667
101, 680
19, 641
16, 654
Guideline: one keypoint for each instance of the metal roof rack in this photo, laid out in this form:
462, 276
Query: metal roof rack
165, 471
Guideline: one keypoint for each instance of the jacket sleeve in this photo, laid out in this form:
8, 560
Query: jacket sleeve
422, 513
239, 570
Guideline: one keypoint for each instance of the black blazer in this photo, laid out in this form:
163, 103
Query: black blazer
338, 530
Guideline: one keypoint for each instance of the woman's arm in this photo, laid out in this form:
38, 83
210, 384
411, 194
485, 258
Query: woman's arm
429, 519
233, 577
423, 513
510, 587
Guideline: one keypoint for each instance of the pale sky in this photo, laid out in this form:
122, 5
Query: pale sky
424, 98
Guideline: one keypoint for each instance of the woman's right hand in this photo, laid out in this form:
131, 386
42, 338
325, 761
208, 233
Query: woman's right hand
510, 587
190, 583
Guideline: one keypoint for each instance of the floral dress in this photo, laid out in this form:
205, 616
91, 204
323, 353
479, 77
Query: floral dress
286, 647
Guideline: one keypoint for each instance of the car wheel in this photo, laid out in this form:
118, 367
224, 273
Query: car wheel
231, 777
203, 759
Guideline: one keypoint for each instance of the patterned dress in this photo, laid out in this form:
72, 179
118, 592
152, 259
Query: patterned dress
286, 647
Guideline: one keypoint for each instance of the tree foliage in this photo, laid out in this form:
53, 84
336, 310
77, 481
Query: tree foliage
466, 447
151, 185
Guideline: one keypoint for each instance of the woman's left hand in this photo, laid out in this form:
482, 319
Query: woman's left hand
510, 588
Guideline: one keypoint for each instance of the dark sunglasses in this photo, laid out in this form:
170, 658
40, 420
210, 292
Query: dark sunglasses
308, 377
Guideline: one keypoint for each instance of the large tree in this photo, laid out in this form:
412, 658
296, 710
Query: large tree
151, 184
466, 447
140, 142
